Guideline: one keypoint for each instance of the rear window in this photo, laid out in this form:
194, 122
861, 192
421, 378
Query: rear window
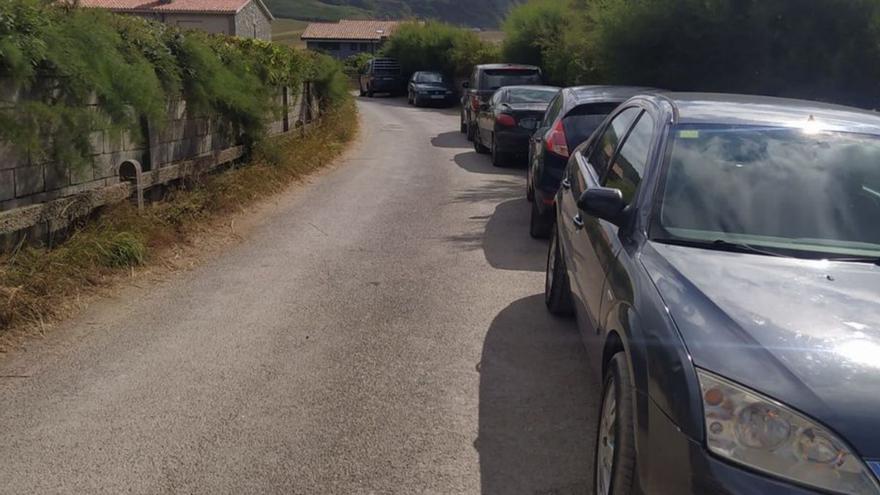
386, 68
583, 120
497, 78
530, 95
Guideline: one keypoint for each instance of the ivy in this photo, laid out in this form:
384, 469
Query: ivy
67, 71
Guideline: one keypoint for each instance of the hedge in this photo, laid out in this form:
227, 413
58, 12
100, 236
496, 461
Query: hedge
70, 57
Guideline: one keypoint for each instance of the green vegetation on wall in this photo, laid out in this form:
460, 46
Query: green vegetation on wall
61, 59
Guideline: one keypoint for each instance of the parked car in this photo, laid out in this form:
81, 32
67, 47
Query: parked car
570, 119
484, 81
721, 255
382, 75
430, 87
506, 122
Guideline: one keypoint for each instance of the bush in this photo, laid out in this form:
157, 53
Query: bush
438, 46
64, 58
817, 49
539, 33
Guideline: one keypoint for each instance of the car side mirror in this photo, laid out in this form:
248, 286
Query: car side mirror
605, 203
465, 85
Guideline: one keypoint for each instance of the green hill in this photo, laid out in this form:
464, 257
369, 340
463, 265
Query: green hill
483, 13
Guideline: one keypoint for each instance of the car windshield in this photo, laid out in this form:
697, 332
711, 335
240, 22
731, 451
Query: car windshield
497, 78
430, 77
530, 95
808, 193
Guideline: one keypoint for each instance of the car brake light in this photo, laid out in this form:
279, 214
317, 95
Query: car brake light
556, 141
475, 103
505, 120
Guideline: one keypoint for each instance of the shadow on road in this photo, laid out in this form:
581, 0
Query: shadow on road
537, 405
400, 101
504, 238
452, 139
480, 164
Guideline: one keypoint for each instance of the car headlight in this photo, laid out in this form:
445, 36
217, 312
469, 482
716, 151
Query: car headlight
745, 427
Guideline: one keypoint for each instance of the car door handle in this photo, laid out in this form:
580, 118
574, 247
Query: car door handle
578, 221
566, 184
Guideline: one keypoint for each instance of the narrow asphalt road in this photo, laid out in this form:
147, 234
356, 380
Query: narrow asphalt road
381, 331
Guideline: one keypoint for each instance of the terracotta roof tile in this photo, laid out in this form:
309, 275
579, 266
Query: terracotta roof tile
174, 6
350, 30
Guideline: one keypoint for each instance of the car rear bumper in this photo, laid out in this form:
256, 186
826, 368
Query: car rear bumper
671, 462
383, 85
513, 141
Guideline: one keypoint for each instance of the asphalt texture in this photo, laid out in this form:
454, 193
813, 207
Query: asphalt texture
381, 330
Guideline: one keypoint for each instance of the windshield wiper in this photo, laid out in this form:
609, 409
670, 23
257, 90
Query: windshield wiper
722, 245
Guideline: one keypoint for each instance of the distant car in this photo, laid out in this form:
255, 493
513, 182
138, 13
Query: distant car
382, 75
721, 254
505, 124
570, 119
429, 87
485, 80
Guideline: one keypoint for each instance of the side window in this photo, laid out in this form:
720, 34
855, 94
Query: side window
606, 146
474, 78
552, 111
629, 167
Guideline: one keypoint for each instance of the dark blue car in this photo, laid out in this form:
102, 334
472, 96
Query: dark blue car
721, 255
570, 119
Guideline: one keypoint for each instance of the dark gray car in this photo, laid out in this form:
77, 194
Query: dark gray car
430, 88
721, 254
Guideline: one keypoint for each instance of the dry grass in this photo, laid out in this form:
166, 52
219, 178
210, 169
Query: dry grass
39, 286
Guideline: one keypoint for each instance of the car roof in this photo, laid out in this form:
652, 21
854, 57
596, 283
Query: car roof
428, 72
733, 109
506, 66
579, 95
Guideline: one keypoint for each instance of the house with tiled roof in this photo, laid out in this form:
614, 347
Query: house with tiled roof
348, 37
244, 18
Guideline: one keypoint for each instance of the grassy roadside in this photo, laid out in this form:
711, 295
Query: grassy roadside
39, 286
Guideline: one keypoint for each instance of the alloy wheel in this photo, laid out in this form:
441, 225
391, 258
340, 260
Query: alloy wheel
605, 448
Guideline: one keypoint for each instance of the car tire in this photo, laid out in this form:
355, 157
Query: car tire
615, 462
557, 290
464, 127
499, 159
530, 192
361, 91
409, 99
470, 132
540, 226
370, 92
479, 147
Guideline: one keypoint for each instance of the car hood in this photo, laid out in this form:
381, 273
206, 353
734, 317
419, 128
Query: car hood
804, 332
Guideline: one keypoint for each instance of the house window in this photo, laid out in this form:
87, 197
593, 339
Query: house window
365, 47
330, 46
353, 47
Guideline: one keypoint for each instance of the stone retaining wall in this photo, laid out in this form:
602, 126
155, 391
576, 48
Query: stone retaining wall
40, 199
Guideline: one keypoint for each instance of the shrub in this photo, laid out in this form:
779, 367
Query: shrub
64, 58
539, 33
438, 46
819, 49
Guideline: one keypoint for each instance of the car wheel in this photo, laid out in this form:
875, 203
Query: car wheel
370, 92
540, 226
470, 131
361, 90
557, 291
530, 193
409, 99
615, 452
478, 143
499, 159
